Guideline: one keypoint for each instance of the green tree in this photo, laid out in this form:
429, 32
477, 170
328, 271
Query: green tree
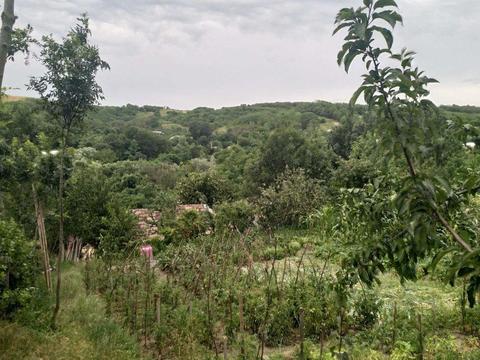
284, 148
119, 236
342, 137
201, 132
203, 188
235, 216
290, 199
69, 90
288, 148
87, 196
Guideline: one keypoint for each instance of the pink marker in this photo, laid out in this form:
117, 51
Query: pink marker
147, 251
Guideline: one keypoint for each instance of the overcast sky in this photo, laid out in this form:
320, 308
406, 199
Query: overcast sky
189, 53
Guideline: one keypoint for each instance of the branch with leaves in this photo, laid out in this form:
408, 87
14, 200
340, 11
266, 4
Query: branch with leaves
407, 128
399, 94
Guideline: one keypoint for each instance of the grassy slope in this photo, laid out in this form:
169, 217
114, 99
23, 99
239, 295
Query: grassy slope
84, 331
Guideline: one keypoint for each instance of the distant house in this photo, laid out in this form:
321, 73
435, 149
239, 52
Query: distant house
194, 207
470, 145
51, 152
148, 221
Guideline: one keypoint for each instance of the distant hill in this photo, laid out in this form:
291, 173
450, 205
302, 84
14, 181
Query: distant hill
13, 98
148, 132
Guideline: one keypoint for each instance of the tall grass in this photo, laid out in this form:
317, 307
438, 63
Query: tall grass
84, 330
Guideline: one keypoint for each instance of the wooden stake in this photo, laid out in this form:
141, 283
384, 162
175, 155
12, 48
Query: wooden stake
394, 336
42, 237
242, 325
420, 337
302, 334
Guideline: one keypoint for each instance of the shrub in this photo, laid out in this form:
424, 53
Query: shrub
366, 309
86, 202
17, 268
294, 247
188, 226
271, 253
403, 351
290, 199
281, 323
119, 236
249, 344
192, 224
360, 352
206, 188
238, 215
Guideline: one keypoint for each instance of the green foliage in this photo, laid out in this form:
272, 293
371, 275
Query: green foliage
20, 42
234, 216
190, 225
403, 351
69, 88
119, 237
366, 309
203, 188
342, 137
290, 199
87, 201
289, 149
84, 330
408, 128
134, 143
441, 348
231, 164
201, 132
17, 268
362, 167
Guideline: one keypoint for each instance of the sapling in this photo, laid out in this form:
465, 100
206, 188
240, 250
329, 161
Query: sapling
407, 130
69, 90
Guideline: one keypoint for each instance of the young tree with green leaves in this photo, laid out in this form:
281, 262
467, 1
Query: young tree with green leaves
69, 90
408, 129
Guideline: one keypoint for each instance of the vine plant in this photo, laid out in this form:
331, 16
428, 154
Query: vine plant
407, 127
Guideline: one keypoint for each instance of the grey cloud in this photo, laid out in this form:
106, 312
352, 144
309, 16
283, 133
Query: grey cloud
473, 81
190, 19
186, 53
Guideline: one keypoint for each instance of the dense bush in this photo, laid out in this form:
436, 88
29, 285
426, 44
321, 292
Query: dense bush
187, 226
203, 188
120, 233
367, 308
290, 199
238, 215
17, 268
289, 148
86, 202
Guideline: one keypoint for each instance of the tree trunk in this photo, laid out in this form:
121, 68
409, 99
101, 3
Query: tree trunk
60, 231
8, 20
